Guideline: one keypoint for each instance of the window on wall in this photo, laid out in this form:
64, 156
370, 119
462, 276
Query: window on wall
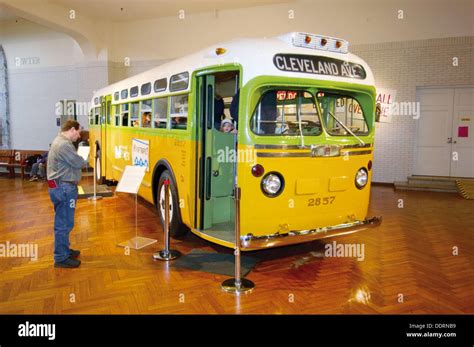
125, 114
160, 112
116, 96
145, 111
179, 111
134, 114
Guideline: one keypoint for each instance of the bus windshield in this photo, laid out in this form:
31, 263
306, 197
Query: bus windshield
342, 114
294, 113
286, 113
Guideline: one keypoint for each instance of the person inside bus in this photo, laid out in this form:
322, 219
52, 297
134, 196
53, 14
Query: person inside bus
227, 126
178, 122
218, 111
146, 119
268, 113
234, 107
125, 120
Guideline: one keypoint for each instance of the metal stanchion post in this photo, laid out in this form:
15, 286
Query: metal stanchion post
167, 253
95, 197
238, 284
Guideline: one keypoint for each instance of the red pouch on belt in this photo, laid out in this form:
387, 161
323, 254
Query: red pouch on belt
52, 184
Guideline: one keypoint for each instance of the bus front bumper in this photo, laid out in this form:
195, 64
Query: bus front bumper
251, 242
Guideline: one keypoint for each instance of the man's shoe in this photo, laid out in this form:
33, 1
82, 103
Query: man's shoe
68, 263
34, 178
74, 253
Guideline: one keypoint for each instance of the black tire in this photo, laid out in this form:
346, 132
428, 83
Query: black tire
177, 228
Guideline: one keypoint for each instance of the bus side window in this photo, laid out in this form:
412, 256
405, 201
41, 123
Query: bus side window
160, 116
117, 115
109, 111
179, 111
125, 115
97, 116
134, 115
145, 111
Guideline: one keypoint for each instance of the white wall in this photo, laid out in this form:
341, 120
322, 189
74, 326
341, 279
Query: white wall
358, 21
414, 51
403, 66
35, 89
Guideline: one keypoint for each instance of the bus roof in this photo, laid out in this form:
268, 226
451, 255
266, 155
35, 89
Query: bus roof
291, 55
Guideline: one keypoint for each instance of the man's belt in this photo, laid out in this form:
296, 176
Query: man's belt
55, 183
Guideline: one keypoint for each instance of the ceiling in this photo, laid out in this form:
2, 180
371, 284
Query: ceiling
5, 16
127, 10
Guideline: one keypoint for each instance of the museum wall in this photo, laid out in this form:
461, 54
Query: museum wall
401, 56
404, 66
44, 67
369, 22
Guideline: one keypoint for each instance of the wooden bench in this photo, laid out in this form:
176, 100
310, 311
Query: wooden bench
6, 160
16, 158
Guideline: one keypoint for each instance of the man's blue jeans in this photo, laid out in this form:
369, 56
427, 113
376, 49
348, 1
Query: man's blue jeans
64, 199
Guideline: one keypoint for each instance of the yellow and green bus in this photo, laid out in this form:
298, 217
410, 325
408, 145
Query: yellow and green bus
303, 109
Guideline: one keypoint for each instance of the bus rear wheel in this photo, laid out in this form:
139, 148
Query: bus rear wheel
177, 228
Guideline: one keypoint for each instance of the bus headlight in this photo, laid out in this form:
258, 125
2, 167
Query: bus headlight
272, 184
361, 178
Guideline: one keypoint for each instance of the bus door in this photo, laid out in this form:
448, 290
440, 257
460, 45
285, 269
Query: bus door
216, 163
101, 160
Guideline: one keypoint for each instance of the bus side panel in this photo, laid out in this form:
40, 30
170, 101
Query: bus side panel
173, 146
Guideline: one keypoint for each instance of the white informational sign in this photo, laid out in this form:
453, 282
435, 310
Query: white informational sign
141, 153
83, 151
131, 179
385, 97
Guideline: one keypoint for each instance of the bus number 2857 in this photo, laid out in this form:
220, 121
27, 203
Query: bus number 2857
328, 200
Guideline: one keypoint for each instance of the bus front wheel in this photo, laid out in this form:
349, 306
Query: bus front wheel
177, 228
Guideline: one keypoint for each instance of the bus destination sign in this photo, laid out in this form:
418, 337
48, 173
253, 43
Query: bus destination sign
318, 65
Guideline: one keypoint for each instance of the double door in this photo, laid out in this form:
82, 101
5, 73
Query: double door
445, 132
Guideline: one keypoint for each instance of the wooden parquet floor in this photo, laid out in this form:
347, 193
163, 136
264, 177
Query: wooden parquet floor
409, 266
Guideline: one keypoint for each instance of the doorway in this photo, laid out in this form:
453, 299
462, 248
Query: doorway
216, 167
445, 132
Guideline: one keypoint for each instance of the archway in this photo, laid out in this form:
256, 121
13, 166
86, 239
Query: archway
4, 104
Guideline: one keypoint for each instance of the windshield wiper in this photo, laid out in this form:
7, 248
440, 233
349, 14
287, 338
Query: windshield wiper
362, 143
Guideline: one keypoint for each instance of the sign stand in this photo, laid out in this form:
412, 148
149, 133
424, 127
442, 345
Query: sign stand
167, 254
237, 284
130, 183
95, 197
